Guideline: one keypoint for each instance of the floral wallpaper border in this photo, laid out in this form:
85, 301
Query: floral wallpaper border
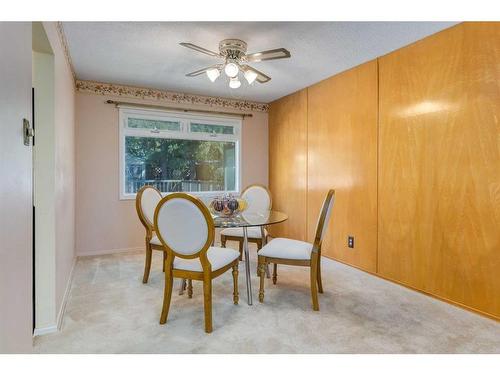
100, 88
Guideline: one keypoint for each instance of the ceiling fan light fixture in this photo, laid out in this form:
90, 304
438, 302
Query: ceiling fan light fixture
250, 76
231, 69
234, 57
234, 83
213, 74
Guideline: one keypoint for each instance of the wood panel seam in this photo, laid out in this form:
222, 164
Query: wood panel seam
307, 165
378, 159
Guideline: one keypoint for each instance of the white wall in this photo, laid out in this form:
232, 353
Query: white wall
44, 191
64, 167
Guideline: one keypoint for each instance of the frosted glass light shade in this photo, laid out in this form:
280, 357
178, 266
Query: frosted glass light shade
231, 70
213, 74
234, 83
250, 76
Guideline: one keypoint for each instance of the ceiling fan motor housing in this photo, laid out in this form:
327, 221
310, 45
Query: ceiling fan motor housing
233, 49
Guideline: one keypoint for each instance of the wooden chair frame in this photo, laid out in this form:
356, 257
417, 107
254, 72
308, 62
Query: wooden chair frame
240, 240
314, 263
207, 275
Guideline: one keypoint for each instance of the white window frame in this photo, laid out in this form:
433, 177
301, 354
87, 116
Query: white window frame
185, 119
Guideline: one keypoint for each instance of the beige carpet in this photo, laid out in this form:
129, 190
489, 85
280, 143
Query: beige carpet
111, 311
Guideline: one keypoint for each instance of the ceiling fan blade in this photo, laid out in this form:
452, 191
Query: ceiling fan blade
200, 49
201, 71
261, 77
272, 54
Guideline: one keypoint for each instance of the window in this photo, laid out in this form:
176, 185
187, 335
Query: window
178, 152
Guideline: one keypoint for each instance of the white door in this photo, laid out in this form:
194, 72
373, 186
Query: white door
16, 298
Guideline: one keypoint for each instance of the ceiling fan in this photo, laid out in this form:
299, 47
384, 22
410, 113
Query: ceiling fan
234, 54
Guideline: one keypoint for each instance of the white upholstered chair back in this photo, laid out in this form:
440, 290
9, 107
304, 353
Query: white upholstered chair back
184, 225
147, 199
258, 198
324, 218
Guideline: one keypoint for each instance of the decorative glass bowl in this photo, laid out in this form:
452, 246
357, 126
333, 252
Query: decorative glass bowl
227, 206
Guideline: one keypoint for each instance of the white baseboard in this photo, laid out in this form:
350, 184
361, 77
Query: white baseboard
45, 330
107, 252
60, 316
62, 309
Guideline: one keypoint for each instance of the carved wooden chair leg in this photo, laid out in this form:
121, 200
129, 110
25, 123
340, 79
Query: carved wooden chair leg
262, 273
314, 281
320, 282
182, 286
275, 273
167, 294
147, 265
207, 299
235, 284
240, 246
259, 246
223, 241
190, 288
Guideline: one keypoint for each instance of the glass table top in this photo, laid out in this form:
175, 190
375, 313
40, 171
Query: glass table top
250, 219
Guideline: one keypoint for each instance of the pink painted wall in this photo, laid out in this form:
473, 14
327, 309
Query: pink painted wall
104, 222
65, 176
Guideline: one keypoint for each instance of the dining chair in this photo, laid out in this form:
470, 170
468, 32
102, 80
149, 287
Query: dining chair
298, 253
186, 230
258, 199
146, 200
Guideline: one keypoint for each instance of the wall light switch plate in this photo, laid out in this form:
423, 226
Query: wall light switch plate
350, 242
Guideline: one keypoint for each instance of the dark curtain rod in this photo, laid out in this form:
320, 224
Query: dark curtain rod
178, 109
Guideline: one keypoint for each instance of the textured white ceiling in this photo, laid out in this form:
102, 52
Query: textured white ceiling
148, 54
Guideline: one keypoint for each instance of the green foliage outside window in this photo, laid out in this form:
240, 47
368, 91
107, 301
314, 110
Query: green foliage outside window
208, 128
141, 123
178, 159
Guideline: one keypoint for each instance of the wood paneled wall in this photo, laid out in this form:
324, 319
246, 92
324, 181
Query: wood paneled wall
288, 163
439, 166
437, 145
342, 154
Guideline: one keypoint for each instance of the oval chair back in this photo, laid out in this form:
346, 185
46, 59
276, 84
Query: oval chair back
185, 227
258, 198
146, 200
323, 220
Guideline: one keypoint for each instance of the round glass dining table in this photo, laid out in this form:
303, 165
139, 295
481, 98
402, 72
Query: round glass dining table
245, 220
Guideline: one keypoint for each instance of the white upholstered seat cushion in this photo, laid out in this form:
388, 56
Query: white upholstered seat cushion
285, 248
155, 241
217, 256
253, 232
